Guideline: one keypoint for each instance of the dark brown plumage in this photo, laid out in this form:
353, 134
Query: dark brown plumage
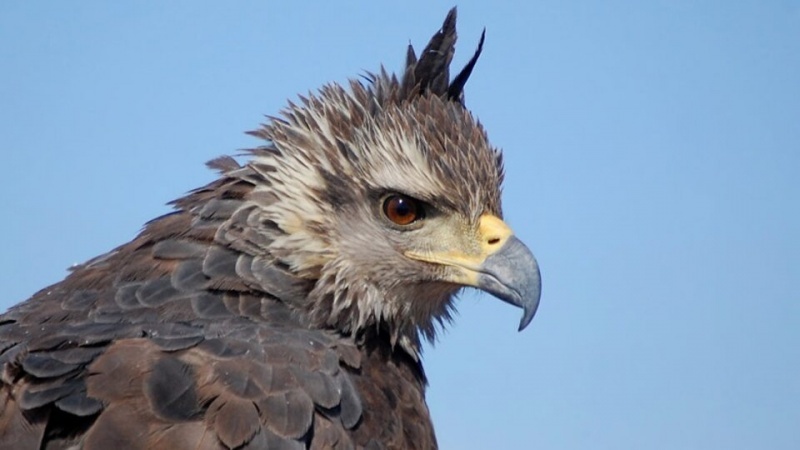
280, 306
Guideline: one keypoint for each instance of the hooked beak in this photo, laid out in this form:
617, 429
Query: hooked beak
512, 275
504, 267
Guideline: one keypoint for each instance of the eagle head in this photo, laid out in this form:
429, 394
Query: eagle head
384, 197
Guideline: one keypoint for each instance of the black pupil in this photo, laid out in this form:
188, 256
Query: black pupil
403, 207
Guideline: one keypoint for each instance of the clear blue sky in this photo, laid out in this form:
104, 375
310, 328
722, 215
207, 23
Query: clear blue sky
653, 164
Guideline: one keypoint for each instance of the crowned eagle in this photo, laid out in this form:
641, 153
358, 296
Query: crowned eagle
284, 304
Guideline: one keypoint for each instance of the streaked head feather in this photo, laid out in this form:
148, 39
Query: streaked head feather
329, 157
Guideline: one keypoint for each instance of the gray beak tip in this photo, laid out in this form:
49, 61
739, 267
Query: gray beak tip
529, 307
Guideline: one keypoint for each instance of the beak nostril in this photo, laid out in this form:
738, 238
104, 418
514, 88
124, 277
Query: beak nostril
494, 240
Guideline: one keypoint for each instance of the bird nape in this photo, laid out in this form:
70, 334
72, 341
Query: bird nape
282, 305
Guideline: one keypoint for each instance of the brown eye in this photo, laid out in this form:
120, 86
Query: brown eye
401, 209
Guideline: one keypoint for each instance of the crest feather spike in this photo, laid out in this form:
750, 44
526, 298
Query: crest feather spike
456, 89
430, 73
411, 56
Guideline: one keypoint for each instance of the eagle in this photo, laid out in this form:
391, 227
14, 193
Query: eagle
283, 305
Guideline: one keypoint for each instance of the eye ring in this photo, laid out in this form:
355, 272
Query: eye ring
402, 210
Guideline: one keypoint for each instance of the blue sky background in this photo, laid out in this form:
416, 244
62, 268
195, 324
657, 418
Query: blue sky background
653, 157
